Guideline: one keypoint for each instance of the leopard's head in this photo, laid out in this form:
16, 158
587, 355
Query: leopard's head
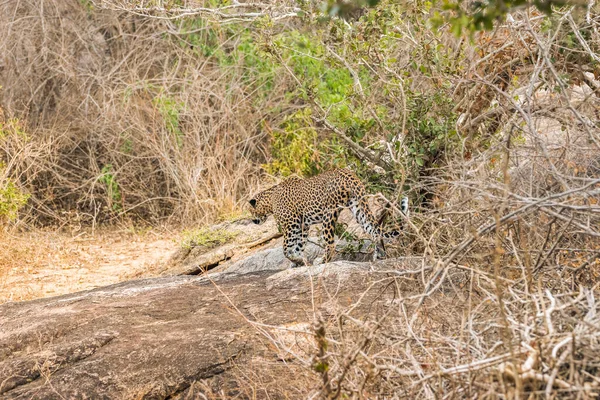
261, 207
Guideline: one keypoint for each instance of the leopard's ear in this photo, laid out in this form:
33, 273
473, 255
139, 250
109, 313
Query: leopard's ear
253, 202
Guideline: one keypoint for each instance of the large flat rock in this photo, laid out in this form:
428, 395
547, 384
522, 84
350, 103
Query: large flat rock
154, 338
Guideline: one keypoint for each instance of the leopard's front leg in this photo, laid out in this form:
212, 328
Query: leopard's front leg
328, 233
294, 238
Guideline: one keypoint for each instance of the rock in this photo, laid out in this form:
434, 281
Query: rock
179, 336
259, 248
198, 259
247, 237
272, 259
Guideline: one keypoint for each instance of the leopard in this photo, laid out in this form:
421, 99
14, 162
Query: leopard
298, 203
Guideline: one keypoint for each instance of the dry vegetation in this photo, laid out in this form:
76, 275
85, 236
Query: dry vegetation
122, 121
480, 337
45, 263
146, 115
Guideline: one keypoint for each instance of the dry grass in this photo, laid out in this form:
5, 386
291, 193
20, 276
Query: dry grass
123, 118
47, 263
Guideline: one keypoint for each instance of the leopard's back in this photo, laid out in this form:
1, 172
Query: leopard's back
311, 198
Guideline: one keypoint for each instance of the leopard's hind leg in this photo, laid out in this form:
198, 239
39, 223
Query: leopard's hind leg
362, 213
360, 208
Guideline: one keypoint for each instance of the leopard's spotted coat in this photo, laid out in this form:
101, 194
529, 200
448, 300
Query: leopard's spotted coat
298, 203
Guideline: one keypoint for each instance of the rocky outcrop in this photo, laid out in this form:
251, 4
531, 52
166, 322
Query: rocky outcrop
259, 248
177, 336
220, 320
247, 237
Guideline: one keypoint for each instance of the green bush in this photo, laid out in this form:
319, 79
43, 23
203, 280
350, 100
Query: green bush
431, 129
208, 237
112, 187
12, 199
294, 146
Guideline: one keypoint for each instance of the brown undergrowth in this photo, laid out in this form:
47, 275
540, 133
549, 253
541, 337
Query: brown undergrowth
477, 337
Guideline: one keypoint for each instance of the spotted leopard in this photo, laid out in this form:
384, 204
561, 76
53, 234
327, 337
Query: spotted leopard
298, 203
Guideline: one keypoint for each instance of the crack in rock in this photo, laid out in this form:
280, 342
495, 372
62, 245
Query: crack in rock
26, 369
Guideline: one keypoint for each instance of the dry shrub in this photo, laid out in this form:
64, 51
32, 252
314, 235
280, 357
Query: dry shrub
478, 337
124, 117
505, 304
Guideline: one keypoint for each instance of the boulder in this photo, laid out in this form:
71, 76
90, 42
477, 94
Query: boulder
178, 336
259, 248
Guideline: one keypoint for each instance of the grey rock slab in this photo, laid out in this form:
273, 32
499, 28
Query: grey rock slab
271, 259
198, 259
153, 338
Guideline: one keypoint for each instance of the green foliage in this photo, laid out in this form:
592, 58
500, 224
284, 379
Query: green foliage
245, 59
567, 43
431, 129
329, 85
170, 109
342, 232
354, 244
12, 199
207, 237
112, 187
201, 37
12, 127
87, 5
234, 216
321, 367
481, 15
349, 75
462, 16
126, 146
294, 146
259, 71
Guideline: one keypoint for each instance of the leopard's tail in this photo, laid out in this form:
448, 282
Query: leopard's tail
360, 208
390, 234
